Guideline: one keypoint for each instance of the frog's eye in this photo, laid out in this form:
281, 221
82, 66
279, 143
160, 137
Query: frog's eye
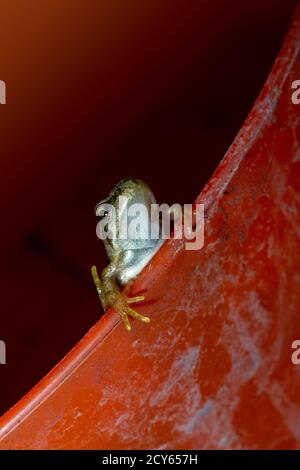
104, 215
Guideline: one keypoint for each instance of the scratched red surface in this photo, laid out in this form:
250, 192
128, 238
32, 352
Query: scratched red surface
213, 369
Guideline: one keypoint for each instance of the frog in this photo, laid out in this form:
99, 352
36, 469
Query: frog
127, 257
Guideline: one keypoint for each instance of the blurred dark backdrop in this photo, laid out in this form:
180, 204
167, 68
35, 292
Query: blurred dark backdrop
97, 90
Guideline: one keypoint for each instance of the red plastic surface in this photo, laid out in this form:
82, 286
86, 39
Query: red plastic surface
213, 369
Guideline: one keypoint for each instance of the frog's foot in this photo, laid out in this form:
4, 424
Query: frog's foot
113, 298
122, 307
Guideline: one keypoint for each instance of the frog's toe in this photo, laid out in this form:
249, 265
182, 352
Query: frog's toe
133, 300
133, 313
96, 279
126, 321
138, 316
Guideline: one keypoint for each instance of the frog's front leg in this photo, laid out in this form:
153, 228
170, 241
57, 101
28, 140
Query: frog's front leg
110, 295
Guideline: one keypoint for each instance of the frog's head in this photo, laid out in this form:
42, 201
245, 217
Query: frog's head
114, 211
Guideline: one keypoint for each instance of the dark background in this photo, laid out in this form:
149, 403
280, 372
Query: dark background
99, 90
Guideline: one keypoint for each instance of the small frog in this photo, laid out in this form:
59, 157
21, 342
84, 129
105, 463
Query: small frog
127, 256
